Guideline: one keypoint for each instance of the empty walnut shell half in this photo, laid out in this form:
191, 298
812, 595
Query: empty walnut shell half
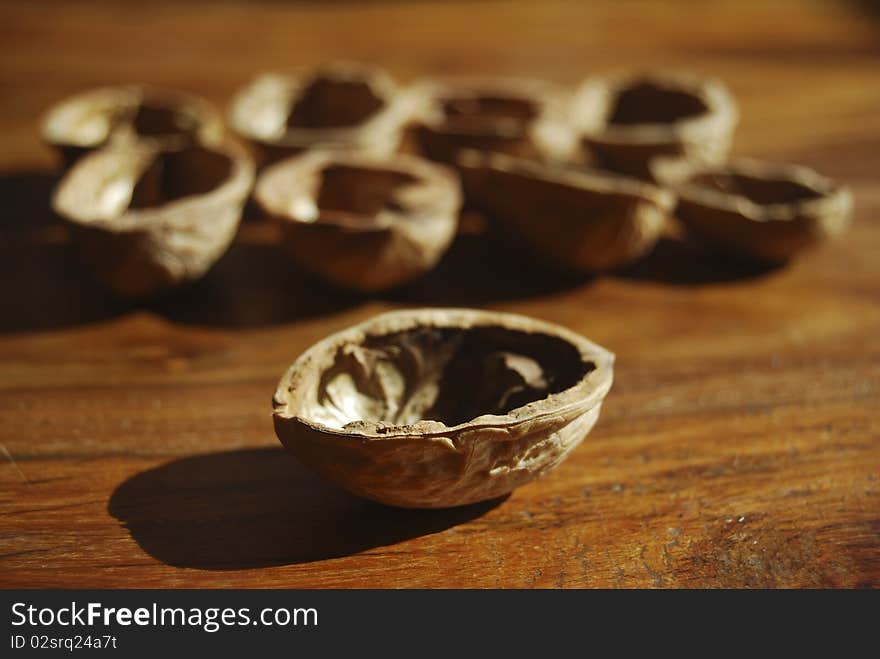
147, 219
432, 408
763, 210
520, 117
170, 120
362, 222
338, 106
571, 219
636, 124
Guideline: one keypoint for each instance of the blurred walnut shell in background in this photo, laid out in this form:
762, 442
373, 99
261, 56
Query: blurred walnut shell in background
338, 106
763, 210
169, 120
146, 219
571, 219
520, 117
431, 408
362, 222
635, 124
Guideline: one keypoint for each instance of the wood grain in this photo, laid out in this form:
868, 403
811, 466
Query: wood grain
739, 447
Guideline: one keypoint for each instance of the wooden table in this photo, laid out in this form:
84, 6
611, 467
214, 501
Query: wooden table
740, 445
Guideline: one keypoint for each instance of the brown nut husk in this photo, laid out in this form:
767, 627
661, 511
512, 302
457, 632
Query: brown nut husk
431, 408
338, 106
362, 222
763, 210
519, 117
169, 120
637, 123
572, 219
147, 219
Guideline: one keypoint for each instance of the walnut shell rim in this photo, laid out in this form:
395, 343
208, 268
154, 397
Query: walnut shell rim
428, 464
269, 97
806, 209
357, 250
640, 149
586, 393
141, 251
115, 107
622, 218
546, 136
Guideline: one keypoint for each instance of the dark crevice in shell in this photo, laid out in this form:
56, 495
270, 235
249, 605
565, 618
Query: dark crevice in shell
332, 103
360, 191
178, 174
650, 103
153, 120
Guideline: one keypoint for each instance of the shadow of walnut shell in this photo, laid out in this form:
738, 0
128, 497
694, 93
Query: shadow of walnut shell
766, 211
635, 124
432, 408
169, 120
570, 219
362, 222
519, 117
338, 106
146, 219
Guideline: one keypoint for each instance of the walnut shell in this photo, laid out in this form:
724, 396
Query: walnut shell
338, 106
520, 117
362, 222
168, 119
763, 210
430, 408
147, 219
573, 219
635, 124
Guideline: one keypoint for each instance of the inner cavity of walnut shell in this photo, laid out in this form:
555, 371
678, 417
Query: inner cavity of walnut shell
446, 375
333, 103
647, 102
157, 180
151, 120
348, 191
